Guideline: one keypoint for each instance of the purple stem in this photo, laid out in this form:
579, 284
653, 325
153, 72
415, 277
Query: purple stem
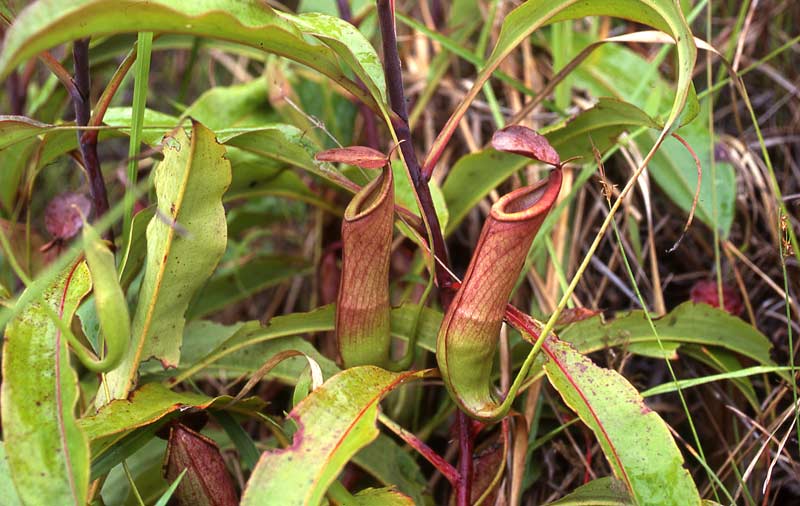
465, 444
88, 146
397, 99
16, 94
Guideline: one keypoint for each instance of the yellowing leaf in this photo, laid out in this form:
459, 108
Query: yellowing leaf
185, 240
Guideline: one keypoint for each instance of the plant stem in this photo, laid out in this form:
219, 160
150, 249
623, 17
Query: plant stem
465, 444
397, 99
88, 147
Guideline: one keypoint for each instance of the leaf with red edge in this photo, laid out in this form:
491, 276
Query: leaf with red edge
359, 156
523, 141
333, 423
635, 440
48, 453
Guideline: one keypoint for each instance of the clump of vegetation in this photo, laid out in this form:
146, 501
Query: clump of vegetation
466, 252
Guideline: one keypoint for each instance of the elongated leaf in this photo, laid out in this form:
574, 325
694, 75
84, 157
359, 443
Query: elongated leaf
618, 71
164, 499
48, 453
634, 439
147, 405
241, 281
15, 129
688, 323
237, 106
255, 176
146, 467
333, 423
47, 23
8, 493
232, 346
181, 254
599, 492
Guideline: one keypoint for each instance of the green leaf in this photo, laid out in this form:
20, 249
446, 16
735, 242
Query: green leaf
674, 170
47, 23
688, 323
286, 144
616, 70
600, 492
380, 497
256, 176
726, 362
673, 386
181, 254
635, 440
15, 129
145, 465
601, 125
164, 499
237, 106
8, 493
245, 347
391, 465
289, 371
48, 453
351, 46
333, 423
238, 282
147, 405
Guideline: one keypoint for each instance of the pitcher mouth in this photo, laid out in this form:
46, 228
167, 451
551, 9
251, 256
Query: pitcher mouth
370, 197
530, 201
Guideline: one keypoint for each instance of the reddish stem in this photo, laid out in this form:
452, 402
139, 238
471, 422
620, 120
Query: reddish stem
465, 444
444, 467
397, 99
